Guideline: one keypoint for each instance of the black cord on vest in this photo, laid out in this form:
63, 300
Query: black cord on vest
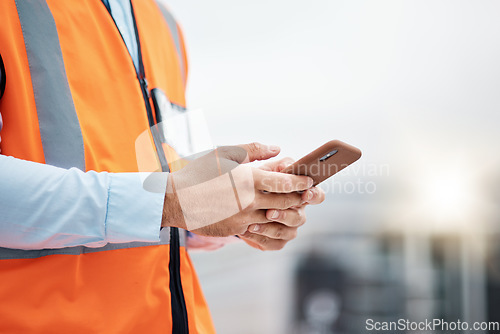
2, 77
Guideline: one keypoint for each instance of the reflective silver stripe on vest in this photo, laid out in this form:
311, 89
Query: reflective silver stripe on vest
59, 126
174, 30
10, 254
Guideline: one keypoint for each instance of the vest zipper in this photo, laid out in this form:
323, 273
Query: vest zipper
155, 130
178, 303
179, 312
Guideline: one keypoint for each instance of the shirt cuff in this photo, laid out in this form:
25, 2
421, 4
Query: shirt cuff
135, 207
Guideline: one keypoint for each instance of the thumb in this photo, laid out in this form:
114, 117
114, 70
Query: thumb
247, 152
258, 151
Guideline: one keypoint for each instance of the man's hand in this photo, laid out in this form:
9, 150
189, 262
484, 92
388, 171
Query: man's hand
283, 224
218, 195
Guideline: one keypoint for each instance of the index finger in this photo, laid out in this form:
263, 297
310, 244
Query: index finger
280, 182
313, 196
277, 166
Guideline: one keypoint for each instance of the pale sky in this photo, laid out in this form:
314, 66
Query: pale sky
391, 77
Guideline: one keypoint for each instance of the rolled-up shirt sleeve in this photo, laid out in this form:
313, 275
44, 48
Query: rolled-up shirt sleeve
43, 206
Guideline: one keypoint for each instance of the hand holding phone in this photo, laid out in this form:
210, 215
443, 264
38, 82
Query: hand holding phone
325, 161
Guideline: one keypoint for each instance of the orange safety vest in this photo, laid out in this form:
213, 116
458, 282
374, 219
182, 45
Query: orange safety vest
73, 99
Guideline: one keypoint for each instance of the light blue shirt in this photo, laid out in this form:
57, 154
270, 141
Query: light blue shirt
42, 206
122, 14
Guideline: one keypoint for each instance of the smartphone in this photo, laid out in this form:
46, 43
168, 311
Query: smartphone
325, 161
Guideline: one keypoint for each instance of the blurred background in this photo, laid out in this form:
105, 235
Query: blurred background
411, 230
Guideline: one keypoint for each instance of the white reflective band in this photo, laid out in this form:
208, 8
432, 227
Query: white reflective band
10, 254
59, 126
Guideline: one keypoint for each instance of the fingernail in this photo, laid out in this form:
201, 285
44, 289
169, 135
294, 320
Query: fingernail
309, 195
255, 228
310, 182
274, 148
275, 214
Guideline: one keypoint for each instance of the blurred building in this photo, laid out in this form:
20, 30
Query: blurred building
348, 266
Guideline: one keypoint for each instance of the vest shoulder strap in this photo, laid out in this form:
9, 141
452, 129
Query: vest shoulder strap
176, 36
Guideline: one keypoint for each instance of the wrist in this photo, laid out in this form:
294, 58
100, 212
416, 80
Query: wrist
172, 211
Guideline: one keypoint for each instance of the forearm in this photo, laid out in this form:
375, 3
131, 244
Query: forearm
43, 206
